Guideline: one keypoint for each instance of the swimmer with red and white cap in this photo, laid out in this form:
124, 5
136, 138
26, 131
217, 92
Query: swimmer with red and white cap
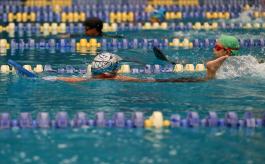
105, 67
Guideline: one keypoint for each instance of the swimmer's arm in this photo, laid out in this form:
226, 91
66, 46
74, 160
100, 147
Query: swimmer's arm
149, 80
72, 79
66, 79
213, 66
181, 80
127, 78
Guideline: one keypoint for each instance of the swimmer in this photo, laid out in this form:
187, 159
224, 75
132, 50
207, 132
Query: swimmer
105, 67
225, 46
93, 28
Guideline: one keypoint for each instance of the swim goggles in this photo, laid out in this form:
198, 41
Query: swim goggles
219, 48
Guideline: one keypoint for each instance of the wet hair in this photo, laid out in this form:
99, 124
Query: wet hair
94, 23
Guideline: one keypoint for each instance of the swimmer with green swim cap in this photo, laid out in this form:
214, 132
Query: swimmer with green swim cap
229, 44
224, 47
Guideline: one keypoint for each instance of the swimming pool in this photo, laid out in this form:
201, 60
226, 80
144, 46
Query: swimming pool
132, 145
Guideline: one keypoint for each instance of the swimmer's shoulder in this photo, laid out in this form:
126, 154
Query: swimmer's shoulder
72, 79
125, 78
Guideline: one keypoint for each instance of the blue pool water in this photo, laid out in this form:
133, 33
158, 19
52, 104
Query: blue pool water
93, 145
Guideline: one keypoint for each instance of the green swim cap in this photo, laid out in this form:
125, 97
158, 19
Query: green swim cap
231, 43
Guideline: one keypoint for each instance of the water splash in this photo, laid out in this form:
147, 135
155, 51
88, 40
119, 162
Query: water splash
241, 66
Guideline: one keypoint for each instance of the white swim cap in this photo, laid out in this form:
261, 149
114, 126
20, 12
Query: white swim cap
105, 63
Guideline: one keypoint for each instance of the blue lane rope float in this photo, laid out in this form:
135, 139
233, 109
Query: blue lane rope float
111, 17
73, 28
138, 16
85, 46
137, 120
30, 71
134, 8
48, 15
106, 44
9, 3
138, 3
123, 8
159, 2
90, 9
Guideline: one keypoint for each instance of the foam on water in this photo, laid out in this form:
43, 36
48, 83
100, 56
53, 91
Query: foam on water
241, 66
